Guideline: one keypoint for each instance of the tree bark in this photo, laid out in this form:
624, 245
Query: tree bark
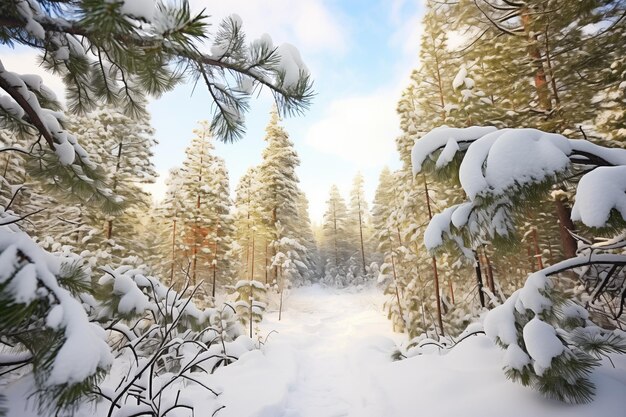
395, 281
537, 250
568, 243
434, 263
541, 83
173, 251
361, 233
479, 280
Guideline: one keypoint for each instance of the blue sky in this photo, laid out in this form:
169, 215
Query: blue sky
360, 55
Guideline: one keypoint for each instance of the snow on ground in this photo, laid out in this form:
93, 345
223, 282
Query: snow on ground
330, 356
322, 361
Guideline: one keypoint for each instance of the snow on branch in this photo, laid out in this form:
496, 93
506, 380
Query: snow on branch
498, 168
119, 51
31, 275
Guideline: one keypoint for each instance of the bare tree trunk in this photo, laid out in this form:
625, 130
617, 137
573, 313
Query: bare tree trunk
395, 280
537, 251
252, 263
251, 278
173, 251
565, 223
541, 83
266, 262
434, 261
451, 288
492, 282
335, 236
114, 186
361, 232
274, 249
479, 280
214, 269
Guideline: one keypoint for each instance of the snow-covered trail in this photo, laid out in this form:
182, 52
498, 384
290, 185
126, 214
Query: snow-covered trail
331, 357
332, 342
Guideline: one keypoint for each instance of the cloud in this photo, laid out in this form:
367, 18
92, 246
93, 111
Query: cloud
408, 35
358, 129
311, 25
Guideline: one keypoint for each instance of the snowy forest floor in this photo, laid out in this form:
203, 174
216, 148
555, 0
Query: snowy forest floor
330, 356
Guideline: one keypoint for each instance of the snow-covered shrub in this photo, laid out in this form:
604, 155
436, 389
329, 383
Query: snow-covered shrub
549, 341
250, 302
163, 343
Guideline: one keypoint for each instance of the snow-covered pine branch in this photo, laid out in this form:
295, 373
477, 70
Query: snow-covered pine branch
116, 52
500, 168
550, 343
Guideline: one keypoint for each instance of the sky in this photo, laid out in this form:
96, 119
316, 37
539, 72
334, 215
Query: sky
360, 54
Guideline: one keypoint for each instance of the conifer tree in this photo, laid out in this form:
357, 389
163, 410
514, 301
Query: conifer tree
195, 173
359, 217
337, 247
249, 225
169, 216
122, 147
280, 203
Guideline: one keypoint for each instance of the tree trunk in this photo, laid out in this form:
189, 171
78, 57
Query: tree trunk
537, 251
451, 288
541, 83
266, 263
335, 237
274, 249
214, 270
361, 233
173, 251
434, 261
252, 256
568, 243
492, 283
395, 281
479, 280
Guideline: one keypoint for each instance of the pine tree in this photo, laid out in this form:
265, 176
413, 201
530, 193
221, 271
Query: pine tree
280, 205
359, 217
336, 247
207, 224
122, 147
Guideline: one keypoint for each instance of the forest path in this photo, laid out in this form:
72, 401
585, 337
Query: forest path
339, 338
322, 359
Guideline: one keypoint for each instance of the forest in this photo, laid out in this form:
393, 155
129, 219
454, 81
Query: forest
487, 271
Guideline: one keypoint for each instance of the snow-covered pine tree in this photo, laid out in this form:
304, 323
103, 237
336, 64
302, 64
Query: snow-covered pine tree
169, 219
207, 227
221, 228
280, 197
309, 268
359, 221
336, 245
122, 147
250, 233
